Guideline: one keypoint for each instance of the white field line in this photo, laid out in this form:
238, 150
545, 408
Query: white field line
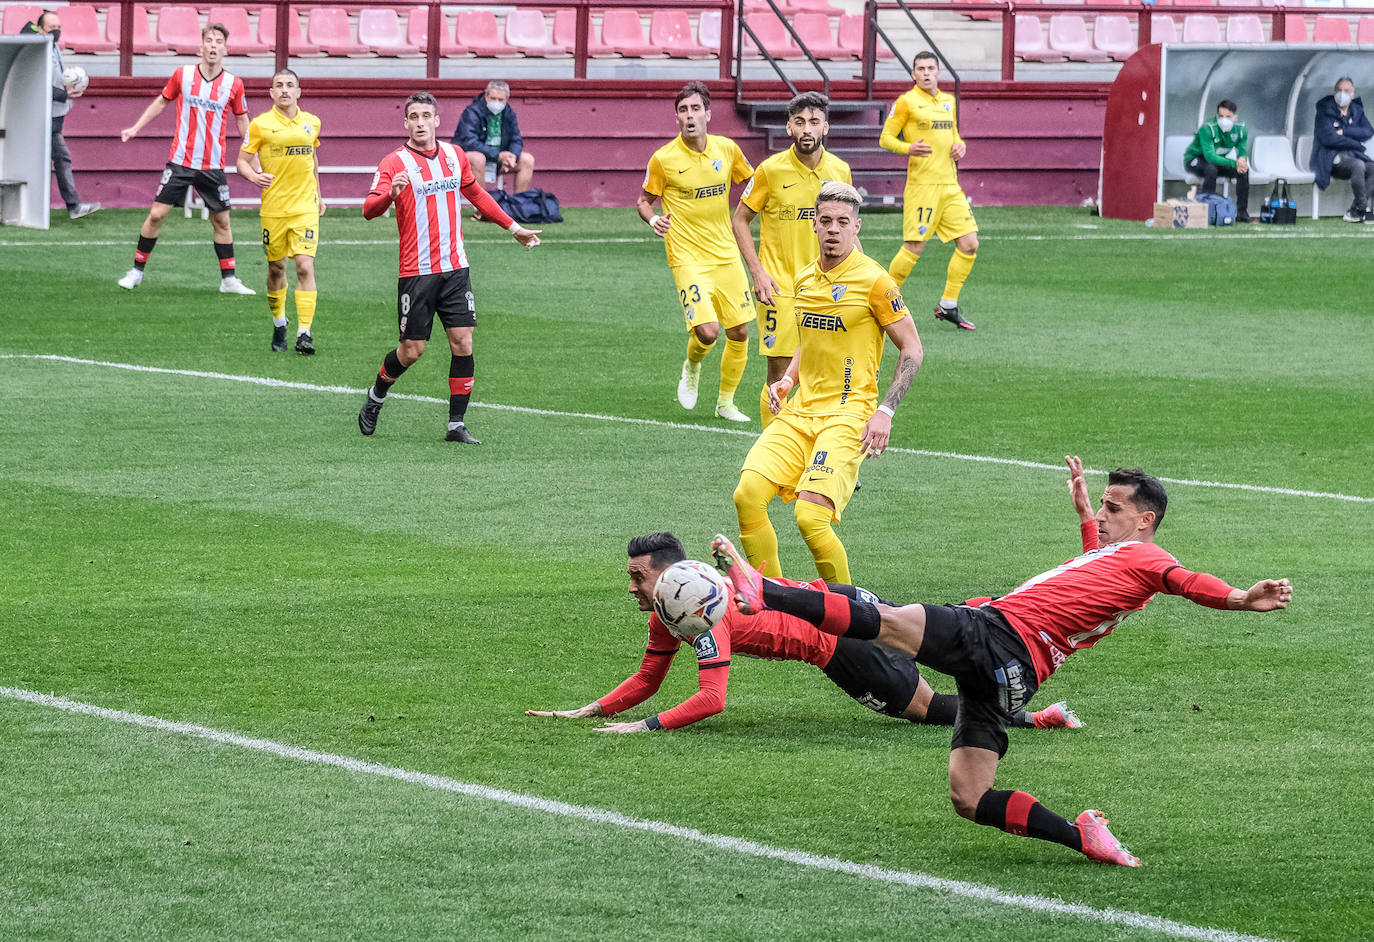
735, 845
629, 420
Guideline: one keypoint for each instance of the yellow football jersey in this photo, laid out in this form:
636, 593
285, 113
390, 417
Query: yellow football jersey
286, 149
695, 188
918, 116
840, 319
783, 192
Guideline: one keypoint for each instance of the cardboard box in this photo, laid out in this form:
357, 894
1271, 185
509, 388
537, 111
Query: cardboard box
1180, 214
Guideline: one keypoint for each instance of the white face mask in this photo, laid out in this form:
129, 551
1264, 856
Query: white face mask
1344, 98
496, 107
1226, 124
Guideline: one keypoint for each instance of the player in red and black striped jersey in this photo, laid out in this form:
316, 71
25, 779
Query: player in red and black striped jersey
880, 678
999, 650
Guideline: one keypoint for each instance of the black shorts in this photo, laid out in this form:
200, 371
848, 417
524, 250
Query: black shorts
420, 297
990, 665
210, 184
882, 679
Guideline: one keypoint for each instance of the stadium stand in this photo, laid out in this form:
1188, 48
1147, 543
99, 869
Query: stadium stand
622, 34
1244, 28
1331, 29
1163, 29
145, 42
18, 14
851, 35
329, 28
1030, 41
528, 33
81, 31
1112, 36
1201, 28
380, 30
708, 29
417, 34
246, 40
477, 30
1295, 28
178, 28
1069, 36
814, 30
1364, 32
670, 31
772, 35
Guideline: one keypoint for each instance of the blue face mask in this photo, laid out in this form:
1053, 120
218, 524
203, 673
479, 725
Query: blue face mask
1344, 99
496, 107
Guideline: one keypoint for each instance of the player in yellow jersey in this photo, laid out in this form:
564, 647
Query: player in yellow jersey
925, 126
783, 191
846, 303
692, 174
279, 155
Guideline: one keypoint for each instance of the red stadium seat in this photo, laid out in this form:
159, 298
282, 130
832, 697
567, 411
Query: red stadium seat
527, 31
477, 31
1163, 29
1029, 43
851, 34
773, 35
1069, 36
417, 33
144, 42
1201, 28
242, 40
295, 36
814, 30
328, 28
18, 15
1295, 28
81, 30
622, 34
565, 28
1364, 33
178, 28
1113, 37
708, 29
380, 30
1244, 28
1331, 29
671, 32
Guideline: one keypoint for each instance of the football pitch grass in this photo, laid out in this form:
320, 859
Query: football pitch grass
220, 603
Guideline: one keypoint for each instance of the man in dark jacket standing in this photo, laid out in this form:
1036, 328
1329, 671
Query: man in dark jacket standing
1221, 147
490, 135
1339, 133
63, 94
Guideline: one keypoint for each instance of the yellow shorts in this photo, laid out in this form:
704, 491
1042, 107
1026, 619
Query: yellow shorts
939, 209
820, 454
712, 294
288, 236
777, 326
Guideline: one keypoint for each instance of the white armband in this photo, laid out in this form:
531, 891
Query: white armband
514, 226
654, 221
884, 407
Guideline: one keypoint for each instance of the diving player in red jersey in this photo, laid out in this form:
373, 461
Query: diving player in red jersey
999, 650
876, 676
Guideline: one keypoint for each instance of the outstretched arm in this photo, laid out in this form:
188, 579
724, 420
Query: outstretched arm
1264, 596
152, 111
1082, 504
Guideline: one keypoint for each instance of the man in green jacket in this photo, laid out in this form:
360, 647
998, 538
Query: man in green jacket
1221, 147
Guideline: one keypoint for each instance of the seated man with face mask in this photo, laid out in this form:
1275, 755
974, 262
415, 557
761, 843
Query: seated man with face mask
490, 135
1221, 148
1339, 133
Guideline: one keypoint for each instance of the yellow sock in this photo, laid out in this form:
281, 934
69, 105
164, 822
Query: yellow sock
696, 350
959, 267
276, 304
902, 264
813, 520
732, 364
756, 534
765, 417
305, 308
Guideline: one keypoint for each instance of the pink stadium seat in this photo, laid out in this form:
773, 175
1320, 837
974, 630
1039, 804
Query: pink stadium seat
1069, 36
328, 28
243, 40
1331, 29
1030, 41
671, 32
1295, 28
1163, 29
708, 29
527, 32
814, 30
297, 45
417, 33
476, 30
622, 34
17, 15
1112, 36
565, 28
380, 30
1201, 28
81, 30
178, 28
1364, 33
1244, 28
144, 43
773, 35
851, 33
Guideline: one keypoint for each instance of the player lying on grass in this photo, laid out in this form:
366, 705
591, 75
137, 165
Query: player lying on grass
878, 677
999, 650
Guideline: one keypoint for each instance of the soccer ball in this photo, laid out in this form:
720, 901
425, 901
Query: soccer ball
691, 598
76, 77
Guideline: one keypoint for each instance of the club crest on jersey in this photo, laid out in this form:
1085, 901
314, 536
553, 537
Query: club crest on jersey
837, 291
946, 105
306, 128
716, 165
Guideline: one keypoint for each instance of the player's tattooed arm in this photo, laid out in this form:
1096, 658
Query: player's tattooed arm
901, 380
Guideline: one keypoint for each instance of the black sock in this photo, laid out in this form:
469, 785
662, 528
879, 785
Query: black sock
460, 374
1020, 813
831, 612
942, 710
145, 248
225, 252
392, 368
1021, 719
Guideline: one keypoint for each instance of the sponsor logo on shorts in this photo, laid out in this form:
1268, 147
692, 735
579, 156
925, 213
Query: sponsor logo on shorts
704, 192
922, 229
705, 646
872, 702
831, 322
1011, 686
691, 312
769, 340
864, 595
